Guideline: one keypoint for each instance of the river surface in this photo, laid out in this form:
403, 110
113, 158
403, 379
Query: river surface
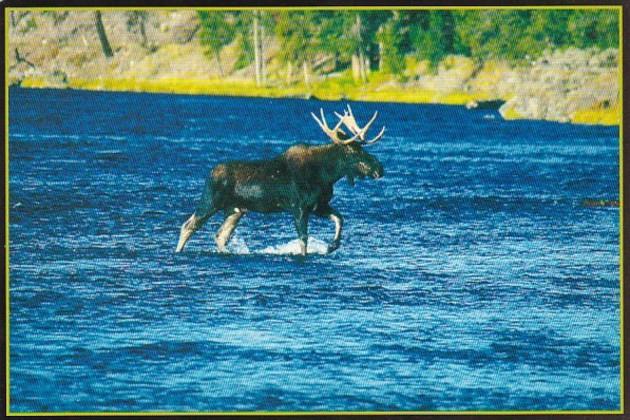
470, 277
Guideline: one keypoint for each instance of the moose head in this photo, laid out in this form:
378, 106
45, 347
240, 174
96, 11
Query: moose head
358, 162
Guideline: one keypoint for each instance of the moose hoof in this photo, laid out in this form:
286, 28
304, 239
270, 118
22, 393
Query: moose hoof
333, 247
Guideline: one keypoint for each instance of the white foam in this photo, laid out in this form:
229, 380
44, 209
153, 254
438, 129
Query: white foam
315, 246
237, 246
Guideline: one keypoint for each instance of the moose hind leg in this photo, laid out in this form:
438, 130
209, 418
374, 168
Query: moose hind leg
205, 209
301, 225
227, 228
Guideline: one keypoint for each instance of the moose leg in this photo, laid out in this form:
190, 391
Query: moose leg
301, 225
227, 228
189, 227
205, 209
325, 210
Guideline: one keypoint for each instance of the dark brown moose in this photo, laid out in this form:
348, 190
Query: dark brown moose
299, 181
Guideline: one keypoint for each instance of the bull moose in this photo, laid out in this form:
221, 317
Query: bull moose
299, 181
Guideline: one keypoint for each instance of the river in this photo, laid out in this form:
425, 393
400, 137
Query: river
470, 277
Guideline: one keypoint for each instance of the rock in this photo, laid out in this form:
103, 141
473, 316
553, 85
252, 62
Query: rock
451, 75
509, 110
560, 85
310, 97
599, 203
494, 104
57, 79
472, 104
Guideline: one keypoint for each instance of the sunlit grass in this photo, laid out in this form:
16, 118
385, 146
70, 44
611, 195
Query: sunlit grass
511, 114
34, 82
183, 86
597, 115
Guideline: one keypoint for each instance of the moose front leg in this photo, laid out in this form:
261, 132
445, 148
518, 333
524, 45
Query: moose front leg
301, 225
325, 210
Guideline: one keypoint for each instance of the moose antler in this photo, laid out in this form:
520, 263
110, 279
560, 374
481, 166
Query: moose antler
335, 132
349, 121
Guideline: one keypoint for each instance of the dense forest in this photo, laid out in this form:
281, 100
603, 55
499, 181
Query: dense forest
384, 40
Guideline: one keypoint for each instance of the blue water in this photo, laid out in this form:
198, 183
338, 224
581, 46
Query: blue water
469, 278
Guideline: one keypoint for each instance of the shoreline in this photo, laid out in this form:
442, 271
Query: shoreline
327, 90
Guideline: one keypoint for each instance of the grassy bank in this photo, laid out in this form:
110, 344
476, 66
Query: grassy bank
330, 89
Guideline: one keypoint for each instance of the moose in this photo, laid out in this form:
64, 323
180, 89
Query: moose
299, 181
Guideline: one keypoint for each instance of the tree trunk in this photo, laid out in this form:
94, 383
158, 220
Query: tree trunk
289, 72
217, 55
363, 65
102, 36
366, 67
381, 52
143, 32
258, 59
306, 66
263, 62
359, 68
21, 59
356, 67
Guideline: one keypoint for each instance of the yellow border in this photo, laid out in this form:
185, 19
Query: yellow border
621, 332
87, 8
619, 9
6, 206
296, 413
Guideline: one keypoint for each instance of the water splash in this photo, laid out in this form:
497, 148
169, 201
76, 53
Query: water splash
315, 246
237, 246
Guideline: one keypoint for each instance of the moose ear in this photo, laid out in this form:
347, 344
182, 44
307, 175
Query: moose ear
350, 179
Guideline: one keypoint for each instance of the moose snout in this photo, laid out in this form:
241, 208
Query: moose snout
378, 172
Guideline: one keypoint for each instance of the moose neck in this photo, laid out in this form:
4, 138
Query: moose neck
335, 163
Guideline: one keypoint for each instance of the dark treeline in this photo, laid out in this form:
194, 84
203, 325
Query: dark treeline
382, 40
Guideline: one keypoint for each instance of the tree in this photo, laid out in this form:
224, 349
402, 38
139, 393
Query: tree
297, 31
607, 29
432, 35
251, 28
391, 37
347, 36
102, 35
517, 34
136, 23
364, 40
216, 32
332, 39
489, 34
593, 28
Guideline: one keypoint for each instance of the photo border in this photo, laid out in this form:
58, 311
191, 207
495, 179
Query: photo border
8, 6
